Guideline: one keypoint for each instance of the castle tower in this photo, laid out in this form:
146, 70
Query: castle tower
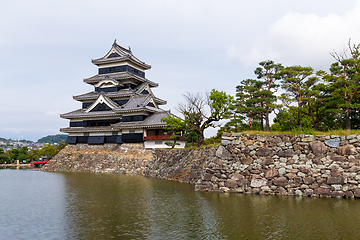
122, 108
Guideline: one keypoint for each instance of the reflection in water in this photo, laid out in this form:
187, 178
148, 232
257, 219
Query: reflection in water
279, 217
39, 205
32, 205
114, 206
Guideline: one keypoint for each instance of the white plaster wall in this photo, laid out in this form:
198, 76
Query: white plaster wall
75, 134
126, 131
100, 134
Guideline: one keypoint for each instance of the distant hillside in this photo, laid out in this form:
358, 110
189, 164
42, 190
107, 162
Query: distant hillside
53, 138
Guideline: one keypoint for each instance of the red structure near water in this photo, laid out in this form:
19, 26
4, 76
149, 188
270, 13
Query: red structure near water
38, 164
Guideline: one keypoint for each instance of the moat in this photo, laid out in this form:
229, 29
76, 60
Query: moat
43, 205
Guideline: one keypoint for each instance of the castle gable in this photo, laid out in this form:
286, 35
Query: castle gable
103, 103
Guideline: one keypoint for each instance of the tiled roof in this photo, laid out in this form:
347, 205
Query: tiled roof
159, 101
124, 55
86, 129
80, 113
122, 93
137, 103
94, 95
118, 76
152, 121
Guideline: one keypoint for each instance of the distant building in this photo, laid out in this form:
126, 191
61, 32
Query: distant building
122, 108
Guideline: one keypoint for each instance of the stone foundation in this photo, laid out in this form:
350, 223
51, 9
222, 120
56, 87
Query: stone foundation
180, 165
107, 158
302, 165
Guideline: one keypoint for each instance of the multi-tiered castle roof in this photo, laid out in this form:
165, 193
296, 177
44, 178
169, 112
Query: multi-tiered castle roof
122, 107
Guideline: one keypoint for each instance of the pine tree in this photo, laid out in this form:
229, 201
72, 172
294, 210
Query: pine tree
249, 101
296, 80
344, 82
269, 73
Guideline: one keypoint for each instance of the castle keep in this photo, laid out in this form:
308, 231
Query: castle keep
122, 108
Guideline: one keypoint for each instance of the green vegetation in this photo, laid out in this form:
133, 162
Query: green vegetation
311, 101
47, 151
53, 138
309, 131
318, 103
174, 126
195, 114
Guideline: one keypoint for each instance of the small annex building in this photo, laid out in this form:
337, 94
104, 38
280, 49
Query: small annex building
122, 108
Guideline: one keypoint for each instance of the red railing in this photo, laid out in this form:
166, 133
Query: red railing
161, 137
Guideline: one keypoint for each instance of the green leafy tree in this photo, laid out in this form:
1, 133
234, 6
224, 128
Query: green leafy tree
344, 83
280, 124
53, 138
321, 106
195, 111
60, 146
174, 125
249, 101
297, 81
24, 150
21, 157
3, 157
190, 137
236, 119
13, 153
268, 72
48, 151
33, 155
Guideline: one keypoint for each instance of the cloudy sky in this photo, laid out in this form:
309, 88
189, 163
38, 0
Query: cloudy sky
46, 48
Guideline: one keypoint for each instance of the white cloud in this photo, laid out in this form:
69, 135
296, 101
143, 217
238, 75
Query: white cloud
301, 39
47, 46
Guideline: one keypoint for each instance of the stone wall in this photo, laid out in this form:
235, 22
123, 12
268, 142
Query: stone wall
180, 165
303, 165
107, 158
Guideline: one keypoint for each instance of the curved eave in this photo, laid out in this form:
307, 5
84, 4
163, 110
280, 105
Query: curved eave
142, 65
139, 126
108, 129
77, 98
134, 110
86, 129
159, 101
131, 76
89, 115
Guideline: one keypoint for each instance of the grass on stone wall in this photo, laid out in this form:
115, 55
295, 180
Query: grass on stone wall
213, 141
308, 131
189, 147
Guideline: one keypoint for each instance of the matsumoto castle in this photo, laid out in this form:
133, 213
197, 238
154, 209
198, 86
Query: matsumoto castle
122, 107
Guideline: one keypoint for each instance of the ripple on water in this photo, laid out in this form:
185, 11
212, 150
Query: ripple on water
40, 205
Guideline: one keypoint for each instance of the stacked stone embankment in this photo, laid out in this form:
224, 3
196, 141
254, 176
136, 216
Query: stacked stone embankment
303, 165
107, 158
180, 165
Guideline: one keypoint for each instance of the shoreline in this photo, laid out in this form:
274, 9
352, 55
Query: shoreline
15, 165
300, 165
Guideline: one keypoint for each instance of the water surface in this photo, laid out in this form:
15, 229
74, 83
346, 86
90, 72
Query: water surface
41, 205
